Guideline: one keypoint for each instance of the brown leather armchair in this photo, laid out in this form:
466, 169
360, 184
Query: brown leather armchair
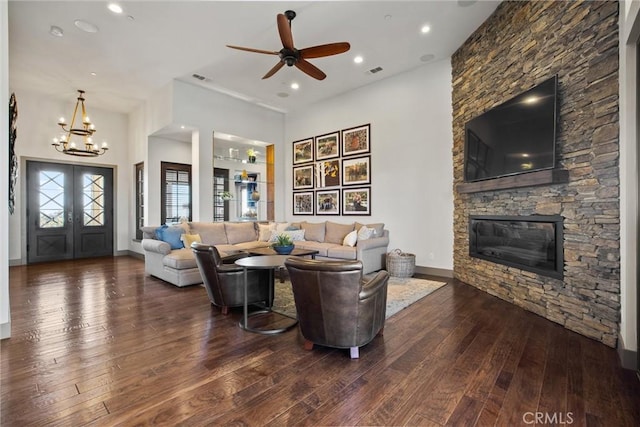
336, 306
224, 280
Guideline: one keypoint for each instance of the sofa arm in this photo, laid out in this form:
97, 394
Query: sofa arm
374, 285
158, 246
374, 242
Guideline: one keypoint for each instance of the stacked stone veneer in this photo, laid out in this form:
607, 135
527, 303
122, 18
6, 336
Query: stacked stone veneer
520, 45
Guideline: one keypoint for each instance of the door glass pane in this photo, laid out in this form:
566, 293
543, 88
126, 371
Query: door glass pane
177, 190
51, 193
93, 200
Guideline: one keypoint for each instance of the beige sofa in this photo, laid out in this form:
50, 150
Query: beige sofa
178, 266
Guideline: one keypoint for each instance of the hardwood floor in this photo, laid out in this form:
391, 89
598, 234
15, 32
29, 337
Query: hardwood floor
95, 342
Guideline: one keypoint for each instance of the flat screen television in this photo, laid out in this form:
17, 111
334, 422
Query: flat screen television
517, 136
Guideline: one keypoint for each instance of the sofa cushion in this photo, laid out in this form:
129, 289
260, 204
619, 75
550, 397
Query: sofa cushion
335, 233
180, 259
240, 232
313, 230
321, 247
251, 245
265, 230
171, 235
211, 233
343, 252
377, 227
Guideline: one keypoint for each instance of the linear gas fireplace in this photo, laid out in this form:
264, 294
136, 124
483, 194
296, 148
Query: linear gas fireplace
532, 243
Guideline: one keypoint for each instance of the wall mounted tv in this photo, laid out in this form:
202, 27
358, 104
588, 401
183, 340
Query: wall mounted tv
517, 136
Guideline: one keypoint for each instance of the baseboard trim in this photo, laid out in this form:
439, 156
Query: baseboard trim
628, 358
5, 330
443, 272
15, 262
135, 254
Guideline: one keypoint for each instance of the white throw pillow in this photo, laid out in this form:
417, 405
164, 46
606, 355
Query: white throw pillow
265, 231
350, 239
365, 233
296, 235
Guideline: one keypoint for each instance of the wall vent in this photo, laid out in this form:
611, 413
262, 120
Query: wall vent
199, 77
375, 70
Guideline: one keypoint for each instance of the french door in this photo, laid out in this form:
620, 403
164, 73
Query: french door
69, 211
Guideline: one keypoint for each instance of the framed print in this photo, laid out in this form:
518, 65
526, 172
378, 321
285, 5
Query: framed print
328, 202
356, 171
356, 201
356, 141
303, 151
328, 174
302, 177
328, 146
303, 203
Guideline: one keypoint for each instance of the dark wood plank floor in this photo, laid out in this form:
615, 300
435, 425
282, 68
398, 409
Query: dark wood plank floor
96, 342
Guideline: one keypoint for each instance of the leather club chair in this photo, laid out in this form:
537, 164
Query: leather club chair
224, 280
336, 306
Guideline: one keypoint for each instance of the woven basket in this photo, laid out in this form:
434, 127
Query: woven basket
401, 264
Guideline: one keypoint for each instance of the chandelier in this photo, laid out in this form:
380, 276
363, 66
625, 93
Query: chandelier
65, 145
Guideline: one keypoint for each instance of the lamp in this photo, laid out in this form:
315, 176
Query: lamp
66, 146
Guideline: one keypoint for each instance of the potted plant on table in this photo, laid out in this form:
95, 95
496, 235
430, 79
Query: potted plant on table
283, 244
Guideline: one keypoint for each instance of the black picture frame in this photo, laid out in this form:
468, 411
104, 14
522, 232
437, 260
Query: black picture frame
303, 203
327, 146
356, 201
303, 151
356, 140
328, 202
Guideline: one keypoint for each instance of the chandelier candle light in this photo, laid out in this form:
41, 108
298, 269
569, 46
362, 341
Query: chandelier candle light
66, 146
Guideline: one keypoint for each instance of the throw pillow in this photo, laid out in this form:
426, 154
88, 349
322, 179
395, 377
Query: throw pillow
350, 239
265, 231
313, 231
281, 226
171, 235
365, 233
188, 239
296, 235
335, 233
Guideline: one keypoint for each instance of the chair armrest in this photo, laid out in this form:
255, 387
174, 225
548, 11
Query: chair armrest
158, 246
374, 285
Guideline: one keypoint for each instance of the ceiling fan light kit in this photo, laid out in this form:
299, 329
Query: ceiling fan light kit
291, 56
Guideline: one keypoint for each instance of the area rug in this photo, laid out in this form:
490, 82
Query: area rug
401, 293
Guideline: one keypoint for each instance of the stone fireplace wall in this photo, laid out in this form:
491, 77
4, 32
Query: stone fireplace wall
520, 45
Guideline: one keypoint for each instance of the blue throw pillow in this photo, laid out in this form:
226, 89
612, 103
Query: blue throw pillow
171, 235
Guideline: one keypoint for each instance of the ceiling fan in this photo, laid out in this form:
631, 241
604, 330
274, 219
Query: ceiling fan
290, 56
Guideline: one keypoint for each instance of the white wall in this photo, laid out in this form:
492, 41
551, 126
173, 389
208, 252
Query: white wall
5, 312
411, 157
37, 125
629, 37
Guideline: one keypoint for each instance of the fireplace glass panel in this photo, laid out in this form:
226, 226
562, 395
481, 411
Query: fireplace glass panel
529, 243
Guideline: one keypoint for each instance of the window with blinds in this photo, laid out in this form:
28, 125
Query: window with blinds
175, 192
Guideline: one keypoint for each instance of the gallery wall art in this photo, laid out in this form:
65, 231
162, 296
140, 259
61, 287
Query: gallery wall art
327, 169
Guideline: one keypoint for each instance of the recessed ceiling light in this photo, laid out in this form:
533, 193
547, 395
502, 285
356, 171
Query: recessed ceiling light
295, 86
182, 127
358, 59
93, 73
425, 29
85, 26
115, 8
56, 31
283, 94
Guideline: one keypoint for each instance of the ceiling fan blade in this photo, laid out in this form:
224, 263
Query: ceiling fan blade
284, 28
325, 50
248, 49
274, 70
310, 69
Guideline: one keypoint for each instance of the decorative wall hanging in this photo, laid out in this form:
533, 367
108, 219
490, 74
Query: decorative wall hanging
328, 146
340, 162
303, 203
303, 151
356, 201
13, 160
355, 141
328, 202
